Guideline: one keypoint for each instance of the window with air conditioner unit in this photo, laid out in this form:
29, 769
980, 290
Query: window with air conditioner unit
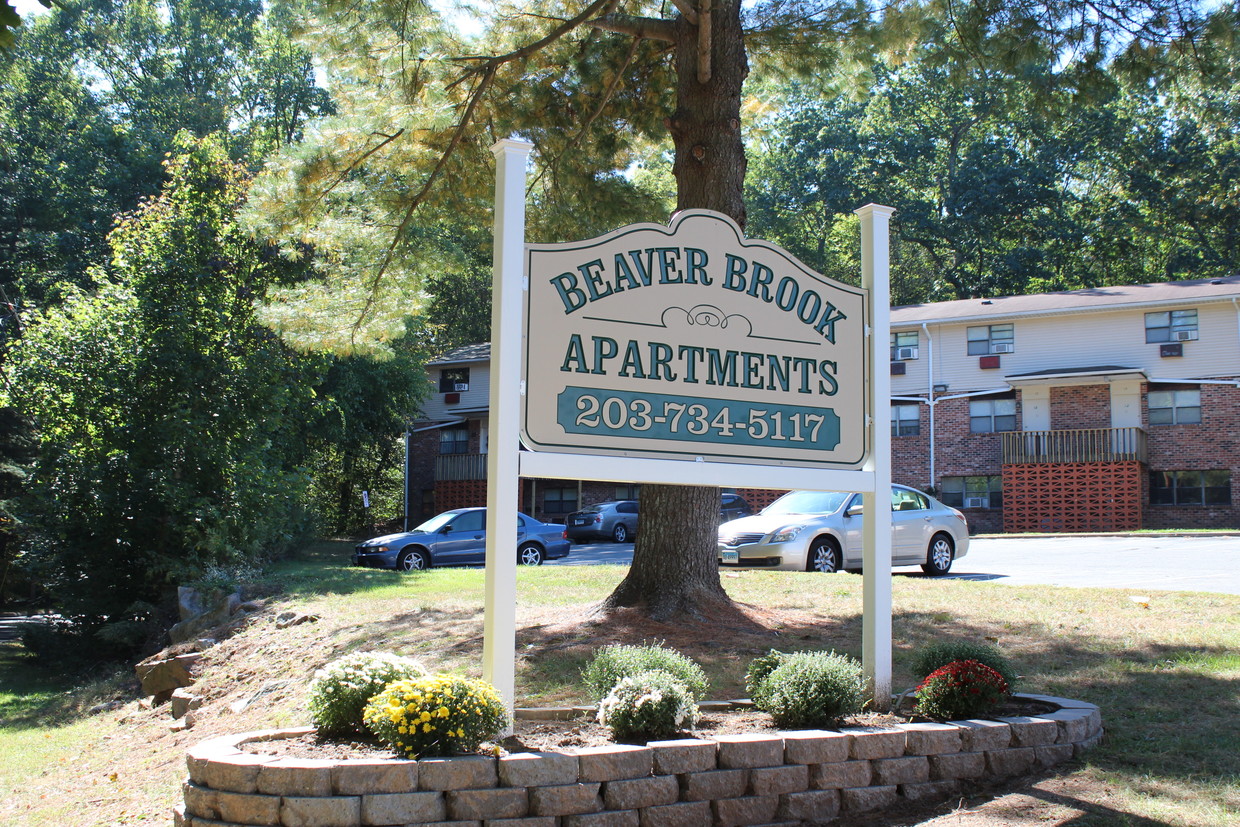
985, 340
1171, 326
972, 492
904, 345
452, 380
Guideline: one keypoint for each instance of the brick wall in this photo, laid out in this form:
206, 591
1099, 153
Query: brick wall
1080, 406
1212, 445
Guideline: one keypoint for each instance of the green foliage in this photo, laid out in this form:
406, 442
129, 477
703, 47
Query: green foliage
812, 689
646, 706
440, 715
611, 664
758, 671
961, 689
341, 689
939, 653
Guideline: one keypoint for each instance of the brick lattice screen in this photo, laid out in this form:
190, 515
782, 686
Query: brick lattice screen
1068, 497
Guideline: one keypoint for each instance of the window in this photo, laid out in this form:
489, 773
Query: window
453, 379
1190, 488
905, 420
987, 416
904, 345
454, 441
560, 500
470, 521
972, 492
627, 492
1175, 407
995, 338
1171, 326
903, 499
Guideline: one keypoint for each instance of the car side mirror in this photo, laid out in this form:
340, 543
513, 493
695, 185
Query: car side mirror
446, 529
855, 510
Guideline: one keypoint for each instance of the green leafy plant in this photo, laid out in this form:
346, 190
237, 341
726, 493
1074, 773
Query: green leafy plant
612, 663
440, 715
759, 668
812, 689
962, 689
939, 653
647, 705
339, 692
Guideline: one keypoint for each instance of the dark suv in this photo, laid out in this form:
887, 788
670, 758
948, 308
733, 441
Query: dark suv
615, 521
732, 506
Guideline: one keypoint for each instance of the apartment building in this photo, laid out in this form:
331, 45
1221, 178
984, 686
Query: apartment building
1101, 409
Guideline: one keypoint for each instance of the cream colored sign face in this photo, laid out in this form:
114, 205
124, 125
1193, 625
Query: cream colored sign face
692, 341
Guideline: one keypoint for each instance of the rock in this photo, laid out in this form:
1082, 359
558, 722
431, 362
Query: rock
291, 618
202, 611
183, 701
160, 677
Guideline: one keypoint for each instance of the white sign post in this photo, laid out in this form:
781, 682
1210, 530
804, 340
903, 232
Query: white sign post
689, 355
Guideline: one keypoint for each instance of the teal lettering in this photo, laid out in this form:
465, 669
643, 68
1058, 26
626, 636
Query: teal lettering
604, 349
632, 364
624, 275
572, 295
695, 355
762, 276
804, 367
786, 293
734, 275
643, 267
721, 368
574, 355
808, 309
753, 369
660, 355
592, 271
777, 372
697, 266
826, 325
827, 369
669, 271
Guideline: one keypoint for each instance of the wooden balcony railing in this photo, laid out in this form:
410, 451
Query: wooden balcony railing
1077, 445
461, 467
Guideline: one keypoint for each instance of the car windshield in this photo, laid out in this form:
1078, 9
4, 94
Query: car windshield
808, 502
437, 522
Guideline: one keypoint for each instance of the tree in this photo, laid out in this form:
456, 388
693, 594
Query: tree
590, 89
172, 426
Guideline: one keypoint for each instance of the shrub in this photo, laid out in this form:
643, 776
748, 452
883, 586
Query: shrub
962, 689
440, 715
647, 705
759, 668
812, 689
612, 663
340, 690
934, 655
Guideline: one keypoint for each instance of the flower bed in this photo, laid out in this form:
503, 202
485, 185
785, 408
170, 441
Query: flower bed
805, 776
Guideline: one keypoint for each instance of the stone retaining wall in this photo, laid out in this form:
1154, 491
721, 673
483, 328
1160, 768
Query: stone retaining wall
786, 778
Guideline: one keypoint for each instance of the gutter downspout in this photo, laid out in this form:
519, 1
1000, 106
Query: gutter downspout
930, 395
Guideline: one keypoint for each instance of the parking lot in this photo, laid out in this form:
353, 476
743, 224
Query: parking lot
1144, 562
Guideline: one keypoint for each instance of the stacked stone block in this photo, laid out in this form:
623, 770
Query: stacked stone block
787, 778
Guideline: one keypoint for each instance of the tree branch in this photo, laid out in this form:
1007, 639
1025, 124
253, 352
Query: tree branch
686, 8
649, 28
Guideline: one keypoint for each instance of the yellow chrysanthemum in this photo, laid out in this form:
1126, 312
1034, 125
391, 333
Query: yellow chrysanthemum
427, 728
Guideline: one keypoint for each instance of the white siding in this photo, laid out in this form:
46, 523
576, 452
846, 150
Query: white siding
474, 399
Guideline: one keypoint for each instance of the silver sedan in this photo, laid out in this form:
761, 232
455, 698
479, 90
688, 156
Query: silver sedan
821, 531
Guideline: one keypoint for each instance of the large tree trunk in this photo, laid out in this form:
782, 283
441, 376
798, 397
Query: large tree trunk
675, 569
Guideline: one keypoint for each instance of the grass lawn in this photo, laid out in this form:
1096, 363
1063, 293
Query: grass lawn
1166, 673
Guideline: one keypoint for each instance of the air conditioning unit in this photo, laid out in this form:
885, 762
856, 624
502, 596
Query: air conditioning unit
976, 502
1002, 347
1184, 335
461, 386
906, 353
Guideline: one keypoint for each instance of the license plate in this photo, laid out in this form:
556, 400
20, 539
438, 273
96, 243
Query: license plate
580, 522
731, 556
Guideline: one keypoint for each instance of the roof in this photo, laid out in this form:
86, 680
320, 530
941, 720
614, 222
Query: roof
480, 352
1056, 373
1069, 301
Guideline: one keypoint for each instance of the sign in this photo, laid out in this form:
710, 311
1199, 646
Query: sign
692, 341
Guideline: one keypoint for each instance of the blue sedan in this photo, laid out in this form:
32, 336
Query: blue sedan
459, 538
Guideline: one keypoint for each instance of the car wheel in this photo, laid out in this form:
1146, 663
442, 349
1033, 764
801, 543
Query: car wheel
413, 561
939, 557
530, 555
620, 533
824, 556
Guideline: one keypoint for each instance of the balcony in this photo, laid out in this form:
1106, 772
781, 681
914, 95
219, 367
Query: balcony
460, 467
1078, 445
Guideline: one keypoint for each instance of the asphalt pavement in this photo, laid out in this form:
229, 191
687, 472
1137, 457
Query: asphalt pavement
1143, 562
